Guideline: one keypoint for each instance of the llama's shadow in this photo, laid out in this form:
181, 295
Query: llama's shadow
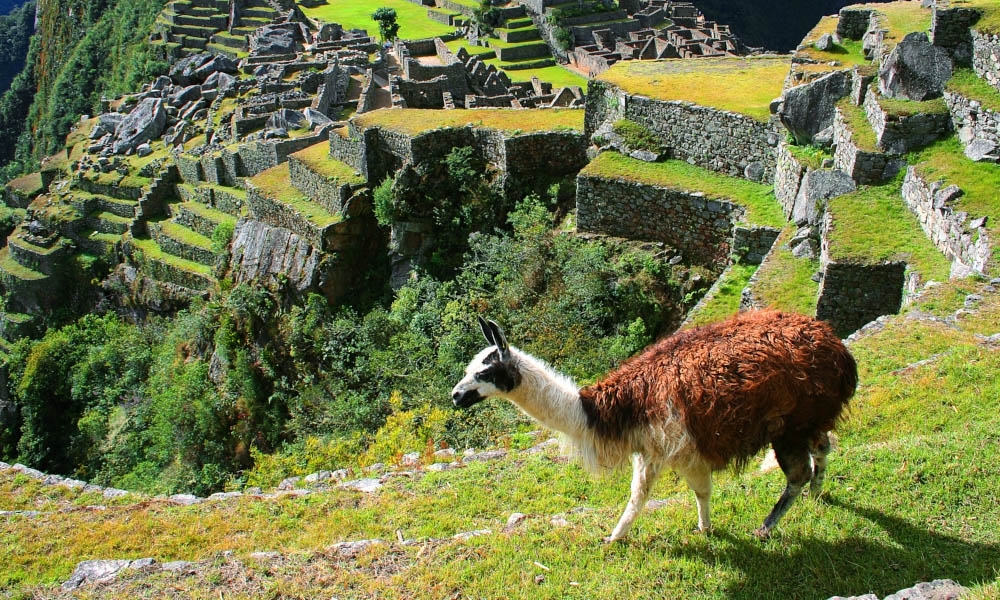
856, 565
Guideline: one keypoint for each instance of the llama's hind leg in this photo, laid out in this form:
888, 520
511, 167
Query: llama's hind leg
819, 449
795, 462
699, 479
644, 475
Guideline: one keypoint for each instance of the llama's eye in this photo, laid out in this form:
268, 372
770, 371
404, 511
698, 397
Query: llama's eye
480, 376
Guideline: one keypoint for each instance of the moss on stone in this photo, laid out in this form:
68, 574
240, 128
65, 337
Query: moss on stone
741, 85
758, 199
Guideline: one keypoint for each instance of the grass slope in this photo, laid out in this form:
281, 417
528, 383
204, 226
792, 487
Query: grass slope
910, 497
357, 14
513, 121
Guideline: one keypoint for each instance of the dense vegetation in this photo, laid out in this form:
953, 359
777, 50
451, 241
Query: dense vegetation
83, 50
189, 403
15, 32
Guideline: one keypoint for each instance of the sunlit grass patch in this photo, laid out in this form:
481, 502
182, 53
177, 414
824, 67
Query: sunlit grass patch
873, 225
723, 300
509, 120
786, 282
741, 85
357, 14
972, 86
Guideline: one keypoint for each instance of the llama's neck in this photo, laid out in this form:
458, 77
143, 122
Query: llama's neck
549, 397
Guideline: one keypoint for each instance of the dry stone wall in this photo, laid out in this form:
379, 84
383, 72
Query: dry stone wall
950, 30
898, 134
701, 228
725, 142
865, 167
787, 179
972, 120
986, 57
961, 237
852, 294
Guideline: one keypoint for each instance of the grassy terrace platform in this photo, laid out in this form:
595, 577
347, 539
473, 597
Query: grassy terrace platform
784, 281
741, 85
317, 158
761, 206
901, 18
966, 83
558, 76
723, 300
29, 185
847, 53
873, 225
412, 121
861, 130
980, 183
355, 14
153, 251
12, 267
275, 183
185, 235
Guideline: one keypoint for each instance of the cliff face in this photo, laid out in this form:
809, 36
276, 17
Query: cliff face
773, 24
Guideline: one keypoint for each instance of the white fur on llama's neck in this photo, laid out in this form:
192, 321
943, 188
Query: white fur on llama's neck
550, 397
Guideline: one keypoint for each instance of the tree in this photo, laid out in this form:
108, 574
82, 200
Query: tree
387, 25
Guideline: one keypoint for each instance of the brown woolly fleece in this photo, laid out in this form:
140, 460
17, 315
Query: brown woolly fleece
760, 377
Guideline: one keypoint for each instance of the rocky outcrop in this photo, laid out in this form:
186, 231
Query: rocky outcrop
809, 108
818, 187
146, 122
263, 254
915, 70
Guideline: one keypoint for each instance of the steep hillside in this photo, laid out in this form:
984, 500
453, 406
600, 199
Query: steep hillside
910, 498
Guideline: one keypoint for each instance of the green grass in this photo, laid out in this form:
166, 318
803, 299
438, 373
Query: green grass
896, 107
207, 212
413, 120
741, 85
356, 14
902, 18
761, 206
861, 130
185, 235
723, 300
946, 160
27, 185
275, 183
153, 251
847, 53
317, 158
910, 497
784, 281
873, 225
809, 156
990, 21
970, 85
11, 266
557, 75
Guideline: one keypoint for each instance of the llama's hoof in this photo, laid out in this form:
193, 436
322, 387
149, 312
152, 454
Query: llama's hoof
762, 533
702, 530
610, 539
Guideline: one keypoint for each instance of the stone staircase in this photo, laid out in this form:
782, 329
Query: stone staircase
188, 27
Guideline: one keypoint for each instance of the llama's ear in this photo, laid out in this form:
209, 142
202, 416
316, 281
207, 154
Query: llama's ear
500, 340
487, 331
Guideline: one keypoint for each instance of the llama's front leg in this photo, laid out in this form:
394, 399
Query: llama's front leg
644, 475
699, 479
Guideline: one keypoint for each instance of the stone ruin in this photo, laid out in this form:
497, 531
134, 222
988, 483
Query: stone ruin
432, 76
688, 36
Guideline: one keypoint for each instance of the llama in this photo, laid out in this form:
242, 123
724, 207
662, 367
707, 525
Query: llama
696, 402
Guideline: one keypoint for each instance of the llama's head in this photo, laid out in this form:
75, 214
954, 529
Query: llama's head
491, 372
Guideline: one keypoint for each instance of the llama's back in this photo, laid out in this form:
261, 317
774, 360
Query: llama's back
737, 385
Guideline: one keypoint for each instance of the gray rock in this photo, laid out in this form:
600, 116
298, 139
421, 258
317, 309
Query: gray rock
754, 171
805, 249
272, 39
514, 521
161, 83
824, 138
817, 187
178, 566
184, 95
447, 453
468, 535
367, 486
262, 254
185, 499
286, 119
183, 71
219, 63
146, 122
438, 467
142, 563
980, 150
143, 150
222, 82
106, 124
824, 43
977, 223
915, 70
644, 155
485, 456
939, 589
289, 483
808, 109
352, 549
318, 476
315, 118
410, 459
94, 570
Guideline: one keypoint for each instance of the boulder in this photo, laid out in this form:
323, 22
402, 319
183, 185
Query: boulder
106, 123
143, 150
824, 43
146, 122
223, 82
981, 150
286, 119
915, 70
315, 118
184, 95
218, 64
808, 109
273, 39
817, 187
183, 71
